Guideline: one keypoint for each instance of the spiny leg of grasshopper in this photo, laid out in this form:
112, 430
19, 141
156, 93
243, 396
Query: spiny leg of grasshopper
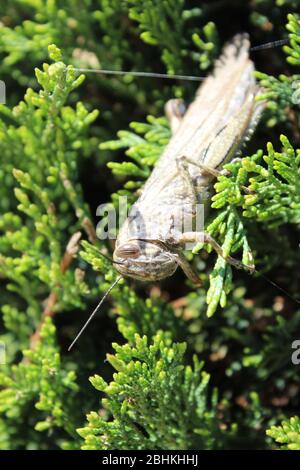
201, 237
188, 270
213, 171
206, 169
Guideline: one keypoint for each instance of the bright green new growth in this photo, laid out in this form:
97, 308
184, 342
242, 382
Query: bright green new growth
156, 401
288, 434
42, 138
172, 40
41, 378
165, 336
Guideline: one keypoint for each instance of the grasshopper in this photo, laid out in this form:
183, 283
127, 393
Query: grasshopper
223, 114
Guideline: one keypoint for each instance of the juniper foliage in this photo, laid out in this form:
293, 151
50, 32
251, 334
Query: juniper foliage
221, 352
288, 433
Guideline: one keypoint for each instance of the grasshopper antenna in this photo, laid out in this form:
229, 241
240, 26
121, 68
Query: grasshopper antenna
274, 284
193, 78
94, 312
252, 270
270, 45
136, 73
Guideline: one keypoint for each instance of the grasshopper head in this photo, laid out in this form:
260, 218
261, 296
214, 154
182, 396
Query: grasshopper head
144, 260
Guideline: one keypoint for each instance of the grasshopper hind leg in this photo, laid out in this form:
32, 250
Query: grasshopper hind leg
213, 172
205, 169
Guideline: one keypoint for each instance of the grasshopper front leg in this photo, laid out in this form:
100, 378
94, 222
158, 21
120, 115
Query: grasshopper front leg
188, 270
203, 237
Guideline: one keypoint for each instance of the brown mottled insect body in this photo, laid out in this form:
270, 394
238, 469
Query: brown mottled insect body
149, 246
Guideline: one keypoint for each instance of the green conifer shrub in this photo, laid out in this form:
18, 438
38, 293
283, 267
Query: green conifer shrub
164, 365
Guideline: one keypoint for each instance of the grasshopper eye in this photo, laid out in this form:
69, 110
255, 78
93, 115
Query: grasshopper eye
128, 250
